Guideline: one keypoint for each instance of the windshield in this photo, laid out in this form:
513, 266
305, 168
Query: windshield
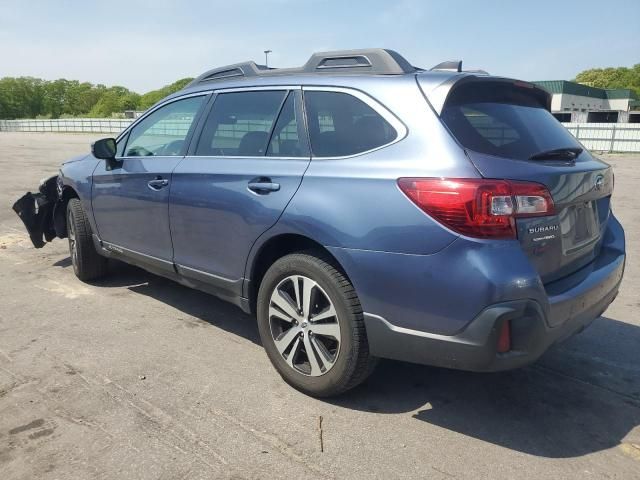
504, 120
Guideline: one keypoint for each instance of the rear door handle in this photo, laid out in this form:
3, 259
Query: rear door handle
158, 183
263, 185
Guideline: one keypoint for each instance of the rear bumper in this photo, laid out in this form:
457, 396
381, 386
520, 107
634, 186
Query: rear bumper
475, 347
446, 309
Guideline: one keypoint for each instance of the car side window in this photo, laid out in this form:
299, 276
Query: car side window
121, 144
240, 123
285, 138
341, 124
163, 132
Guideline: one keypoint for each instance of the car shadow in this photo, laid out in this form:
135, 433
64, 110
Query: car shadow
63, 263
582, 396
200, 305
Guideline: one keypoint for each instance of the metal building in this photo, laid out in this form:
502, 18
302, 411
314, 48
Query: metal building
575, 102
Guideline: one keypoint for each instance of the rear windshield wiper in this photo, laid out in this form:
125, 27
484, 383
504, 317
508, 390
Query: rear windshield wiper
569, 153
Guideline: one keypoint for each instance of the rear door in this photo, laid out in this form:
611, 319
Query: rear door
130, 200
236, 182
508, 133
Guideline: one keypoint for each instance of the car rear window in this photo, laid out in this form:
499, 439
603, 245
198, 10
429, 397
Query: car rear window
504, 120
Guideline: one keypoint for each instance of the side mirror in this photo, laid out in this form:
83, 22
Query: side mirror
104, 149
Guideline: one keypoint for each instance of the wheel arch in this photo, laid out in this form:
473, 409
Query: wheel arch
275, 248
60, 210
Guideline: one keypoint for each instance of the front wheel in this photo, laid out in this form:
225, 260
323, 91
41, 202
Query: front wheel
311, 325
87, 263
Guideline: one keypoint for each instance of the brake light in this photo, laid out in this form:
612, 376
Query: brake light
479, 208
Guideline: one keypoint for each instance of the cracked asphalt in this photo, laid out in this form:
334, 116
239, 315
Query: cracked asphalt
137, 377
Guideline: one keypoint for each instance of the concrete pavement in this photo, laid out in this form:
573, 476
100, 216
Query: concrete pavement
138, 377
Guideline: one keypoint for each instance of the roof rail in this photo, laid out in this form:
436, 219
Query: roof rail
244, 69
371, 60
375, 61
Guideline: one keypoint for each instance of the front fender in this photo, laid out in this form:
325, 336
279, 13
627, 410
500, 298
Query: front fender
44, 213
77, 175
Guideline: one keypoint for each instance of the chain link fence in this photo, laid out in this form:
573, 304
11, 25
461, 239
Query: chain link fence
72, 125
607, 137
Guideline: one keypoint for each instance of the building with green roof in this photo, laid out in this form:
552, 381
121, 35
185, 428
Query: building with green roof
576, 102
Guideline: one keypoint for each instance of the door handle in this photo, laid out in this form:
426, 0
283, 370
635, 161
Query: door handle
263, 185
158, 183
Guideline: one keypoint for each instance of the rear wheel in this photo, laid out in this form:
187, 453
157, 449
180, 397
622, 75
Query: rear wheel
311, 326
87, 263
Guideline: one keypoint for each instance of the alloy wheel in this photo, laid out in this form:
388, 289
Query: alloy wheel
304, 325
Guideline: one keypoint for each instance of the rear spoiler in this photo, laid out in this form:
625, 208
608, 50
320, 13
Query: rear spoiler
437, 93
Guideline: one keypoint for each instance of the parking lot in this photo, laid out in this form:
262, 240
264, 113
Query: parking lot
138, 377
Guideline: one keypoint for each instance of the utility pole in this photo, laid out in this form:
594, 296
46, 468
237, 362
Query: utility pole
266, 57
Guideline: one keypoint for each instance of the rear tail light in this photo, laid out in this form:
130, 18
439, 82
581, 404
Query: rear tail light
478, 208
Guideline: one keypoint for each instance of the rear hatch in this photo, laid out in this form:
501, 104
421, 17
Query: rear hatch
508, 133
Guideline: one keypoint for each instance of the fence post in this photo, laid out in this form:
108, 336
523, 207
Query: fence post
578, 132
613, 138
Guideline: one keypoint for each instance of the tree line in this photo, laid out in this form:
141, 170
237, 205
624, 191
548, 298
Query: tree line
28, 97
621, 77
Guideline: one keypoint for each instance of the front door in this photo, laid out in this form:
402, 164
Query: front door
248, 163
130, 199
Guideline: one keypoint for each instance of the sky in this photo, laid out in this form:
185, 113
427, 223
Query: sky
144, 45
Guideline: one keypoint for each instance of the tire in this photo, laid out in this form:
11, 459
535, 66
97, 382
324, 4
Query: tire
340, 358
87, 263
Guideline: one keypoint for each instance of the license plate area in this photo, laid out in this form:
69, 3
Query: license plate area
579, 225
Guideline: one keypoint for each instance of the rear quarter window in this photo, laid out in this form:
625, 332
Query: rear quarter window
341, 125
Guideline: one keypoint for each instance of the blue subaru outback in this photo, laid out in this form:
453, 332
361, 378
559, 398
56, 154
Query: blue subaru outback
360, 207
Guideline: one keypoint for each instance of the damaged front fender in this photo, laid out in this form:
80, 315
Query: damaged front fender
43, 212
